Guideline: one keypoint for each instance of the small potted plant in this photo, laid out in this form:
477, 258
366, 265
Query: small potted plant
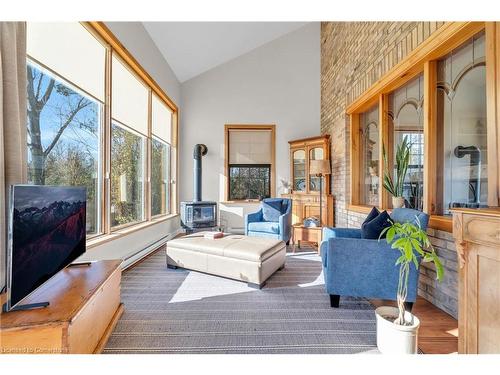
394, 185
397, 329
287, 186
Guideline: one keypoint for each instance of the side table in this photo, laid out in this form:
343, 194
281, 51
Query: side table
301, 233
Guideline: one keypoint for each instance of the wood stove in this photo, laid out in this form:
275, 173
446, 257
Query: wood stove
198, 214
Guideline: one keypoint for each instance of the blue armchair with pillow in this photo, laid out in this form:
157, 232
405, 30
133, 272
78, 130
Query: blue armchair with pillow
365, 267
273, 220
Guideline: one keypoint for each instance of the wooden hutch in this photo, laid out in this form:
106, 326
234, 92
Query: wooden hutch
305, 188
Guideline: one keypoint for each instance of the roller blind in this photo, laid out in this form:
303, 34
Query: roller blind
250, 147
129, 101
161, 120
71, 51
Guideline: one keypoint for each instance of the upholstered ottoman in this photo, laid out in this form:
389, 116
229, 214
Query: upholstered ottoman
249, 259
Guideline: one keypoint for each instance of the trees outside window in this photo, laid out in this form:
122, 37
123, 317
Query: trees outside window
160, 176
127, 183
63, 131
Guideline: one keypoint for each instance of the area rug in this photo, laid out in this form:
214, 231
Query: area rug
180, 311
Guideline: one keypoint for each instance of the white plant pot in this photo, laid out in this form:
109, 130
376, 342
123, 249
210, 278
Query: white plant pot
398, 202
394, 338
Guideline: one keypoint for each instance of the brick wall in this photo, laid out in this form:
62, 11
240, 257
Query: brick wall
354, 55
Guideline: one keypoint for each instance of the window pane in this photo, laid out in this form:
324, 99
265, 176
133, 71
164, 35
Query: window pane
315, 154
63, 137
405, 116
160, 153
463, 181
249, 182
299, 170
369, 183
127, 165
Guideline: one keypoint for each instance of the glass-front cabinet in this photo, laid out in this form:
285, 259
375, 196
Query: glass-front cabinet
302, 151
305, 187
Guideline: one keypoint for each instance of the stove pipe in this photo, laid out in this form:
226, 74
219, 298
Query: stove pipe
199, 151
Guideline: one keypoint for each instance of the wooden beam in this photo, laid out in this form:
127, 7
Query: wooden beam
354, 150
384, 199
430, 137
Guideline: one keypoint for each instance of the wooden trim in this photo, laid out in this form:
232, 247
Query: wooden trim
492, 108
148, 160
430, 137
317, 139
105, 33
227, 129
109, 330
106, 144
384, 198
355, 149
443, 223
439, 43
361, 209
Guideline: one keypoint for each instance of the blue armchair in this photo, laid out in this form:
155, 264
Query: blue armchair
366, 268
273, 220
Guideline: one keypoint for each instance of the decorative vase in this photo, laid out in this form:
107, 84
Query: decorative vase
394, 338
398, 202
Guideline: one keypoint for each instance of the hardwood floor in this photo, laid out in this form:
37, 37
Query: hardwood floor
438, 333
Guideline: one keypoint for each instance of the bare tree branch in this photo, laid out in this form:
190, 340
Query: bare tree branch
82, 103
47, 93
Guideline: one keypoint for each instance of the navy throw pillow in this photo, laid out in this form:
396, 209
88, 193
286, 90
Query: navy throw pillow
372, 215
271, 210
371, 230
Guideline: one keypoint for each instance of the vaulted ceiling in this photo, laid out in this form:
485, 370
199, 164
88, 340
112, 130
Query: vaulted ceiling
192, 48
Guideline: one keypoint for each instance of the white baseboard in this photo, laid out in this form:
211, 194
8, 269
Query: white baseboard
131, 259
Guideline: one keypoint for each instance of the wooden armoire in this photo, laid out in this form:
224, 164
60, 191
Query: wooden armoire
305, 188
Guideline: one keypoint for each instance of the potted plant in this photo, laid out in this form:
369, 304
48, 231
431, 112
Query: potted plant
397, 329
286, 186
395, 185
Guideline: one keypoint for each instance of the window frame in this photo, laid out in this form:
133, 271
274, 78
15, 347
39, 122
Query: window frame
169, 177
114, 48
227, 129
423, 60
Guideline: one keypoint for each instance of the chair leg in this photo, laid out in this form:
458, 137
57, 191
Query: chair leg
334, 300
408, 306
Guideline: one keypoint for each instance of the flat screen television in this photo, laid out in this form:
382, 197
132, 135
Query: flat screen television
47, 227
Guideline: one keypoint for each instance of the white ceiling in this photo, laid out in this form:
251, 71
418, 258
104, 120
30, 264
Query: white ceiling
192, 48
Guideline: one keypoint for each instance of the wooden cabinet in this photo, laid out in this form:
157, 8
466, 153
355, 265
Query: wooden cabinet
477, 236
305, 188
84, 308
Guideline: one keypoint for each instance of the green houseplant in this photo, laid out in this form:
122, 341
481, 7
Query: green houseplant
394, 184
397, 329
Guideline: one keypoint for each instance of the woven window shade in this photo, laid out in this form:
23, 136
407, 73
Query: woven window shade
71, 51
129, 101
250, 147
161, 120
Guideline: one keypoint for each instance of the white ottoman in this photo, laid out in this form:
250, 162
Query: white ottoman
249, 259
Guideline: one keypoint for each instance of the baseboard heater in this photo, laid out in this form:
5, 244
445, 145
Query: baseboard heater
137, 256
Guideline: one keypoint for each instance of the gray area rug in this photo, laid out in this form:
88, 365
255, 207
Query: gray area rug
180, 311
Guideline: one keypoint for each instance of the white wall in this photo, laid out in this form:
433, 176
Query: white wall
138, 42
278, 83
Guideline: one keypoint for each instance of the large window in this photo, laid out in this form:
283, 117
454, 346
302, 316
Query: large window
445, 104
96, 119
250, 160
463, 156
64, 119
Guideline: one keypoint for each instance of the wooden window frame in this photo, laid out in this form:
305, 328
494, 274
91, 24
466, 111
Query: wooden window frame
227, 129
114, 47
423, 60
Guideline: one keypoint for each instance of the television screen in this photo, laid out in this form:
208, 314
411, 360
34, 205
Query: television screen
47, 228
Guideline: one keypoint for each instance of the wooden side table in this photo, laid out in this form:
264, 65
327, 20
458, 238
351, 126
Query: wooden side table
306, 234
